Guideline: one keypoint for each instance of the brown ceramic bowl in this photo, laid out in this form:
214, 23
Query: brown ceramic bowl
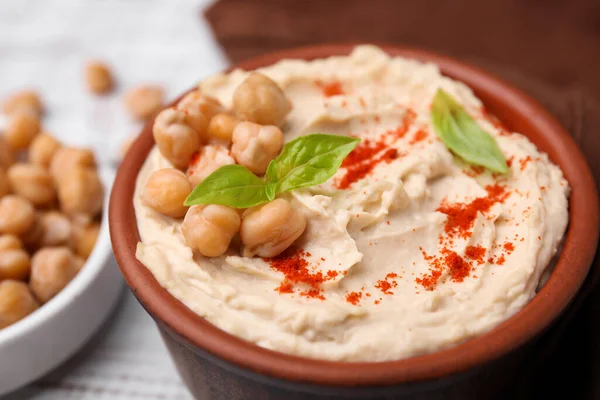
217, 365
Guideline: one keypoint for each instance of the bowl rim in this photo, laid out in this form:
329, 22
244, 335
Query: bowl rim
569, 273
93, 266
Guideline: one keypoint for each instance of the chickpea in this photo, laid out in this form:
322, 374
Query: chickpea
14, 264
209, 159
17, 215
78, 263
178, 135
209, 229
25, 101
220, 128
42, 150
198, 102
55, 229
4, 183
10, 242
80, 191
98, 77
84, 238
254, 146
33, 183
269, 229
68, 158
32, 237
81, 219
144, 101
21, 130
6, 156
165, 192
16, 302
52, 268
259, 99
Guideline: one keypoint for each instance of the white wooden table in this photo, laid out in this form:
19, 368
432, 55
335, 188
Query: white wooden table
44, 45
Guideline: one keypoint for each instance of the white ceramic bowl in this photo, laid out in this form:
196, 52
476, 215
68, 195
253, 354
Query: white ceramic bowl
41, 341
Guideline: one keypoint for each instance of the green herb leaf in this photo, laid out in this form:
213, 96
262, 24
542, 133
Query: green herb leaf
308, 161
271, 189
230, 185
461, 134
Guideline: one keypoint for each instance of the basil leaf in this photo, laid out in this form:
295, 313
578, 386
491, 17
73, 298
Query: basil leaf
231, 185
271, 189
461, 134
308, 160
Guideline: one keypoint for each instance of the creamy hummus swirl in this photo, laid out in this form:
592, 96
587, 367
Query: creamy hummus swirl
416, 250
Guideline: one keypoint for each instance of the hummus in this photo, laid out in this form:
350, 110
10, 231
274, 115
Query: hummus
407, 250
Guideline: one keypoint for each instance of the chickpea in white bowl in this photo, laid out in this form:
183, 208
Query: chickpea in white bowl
56, 286
51, 200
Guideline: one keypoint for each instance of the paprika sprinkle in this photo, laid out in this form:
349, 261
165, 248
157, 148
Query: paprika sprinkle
407, 121
460, 220
449, 260
459, 268
386, 286
462, 215
313, 293
476, 253
285, 287
428, 281
419, 136
193, 161
365, 150
295, 268
330, 89
363, 159
524, 162
369, 153
474, 170
354, 297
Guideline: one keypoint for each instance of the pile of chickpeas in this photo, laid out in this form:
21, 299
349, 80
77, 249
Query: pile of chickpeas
51, 198
198, 136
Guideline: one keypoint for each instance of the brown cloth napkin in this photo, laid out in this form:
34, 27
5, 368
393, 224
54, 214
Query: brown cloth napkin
548, 48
